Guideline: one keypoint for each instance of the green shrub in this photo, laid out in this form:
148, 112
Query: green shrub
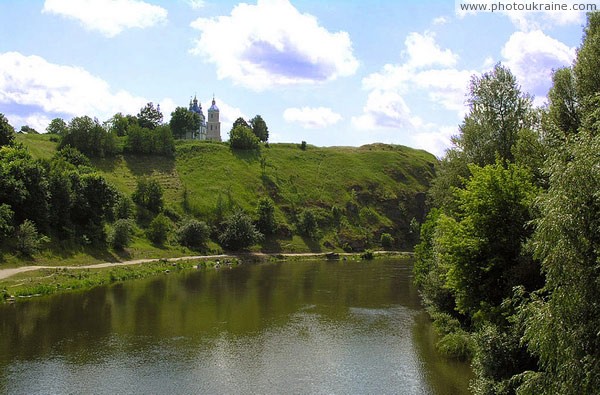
149, 194
121, 234
159, 228
266, 216
124, 208
457, 345
386, 240
193, 234
307, 224
242, 137
239, 232
28, 239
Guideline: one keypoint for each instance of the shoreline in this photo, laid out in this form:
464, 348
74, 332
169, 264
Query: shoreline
46, 280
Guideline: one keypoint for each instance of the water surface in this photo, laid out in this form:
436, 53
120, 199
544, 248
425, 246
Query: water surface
298, 327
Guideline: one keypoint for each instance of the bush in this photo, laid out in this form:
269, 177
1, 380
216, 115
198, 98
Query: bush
242, 137
121, 234
303, 146
193, 234
124, 208
367, 255
149, 194
307, 224
159, 228
28, 238
6, 217
239, 232
266, 216
457, 345
386, 240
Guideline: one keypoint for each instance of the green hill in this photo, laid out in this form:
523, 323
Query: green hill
375, 189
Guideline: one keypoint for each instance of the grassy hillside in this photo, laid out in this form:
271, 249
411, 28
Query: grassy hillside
377, 188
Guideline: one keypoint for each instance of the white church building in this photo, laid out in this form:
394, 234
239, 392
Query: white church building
207, 129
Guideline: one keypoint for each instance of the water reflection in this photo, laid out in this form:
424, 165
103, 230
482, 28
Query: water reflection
300, 327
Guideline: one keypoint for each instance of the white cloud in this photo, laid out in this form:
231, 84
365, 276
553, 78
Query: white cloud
435, 139
385, 109
423, 51
312, 117
196, 4
272, 43
427, 68
109, 17
37, 121
440, 20
533, 56
57, 89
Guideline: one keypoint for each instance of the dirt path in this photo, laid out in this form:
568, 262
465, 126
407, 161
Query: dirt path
6, 273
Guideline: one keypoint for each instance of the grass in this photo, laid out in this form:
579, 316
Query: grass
378, 187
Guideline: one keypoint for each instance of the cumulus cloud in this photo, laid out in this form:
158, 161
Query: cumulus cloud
533, 56
427, 68
109, 17
272, 43
440, 20
312, 117
41, 87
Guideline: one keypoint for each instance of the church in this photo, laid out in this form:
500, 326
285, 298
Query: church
207, 129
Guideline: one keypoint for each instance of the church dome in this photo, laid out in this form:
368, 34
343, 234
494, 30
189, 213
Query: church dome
214, 106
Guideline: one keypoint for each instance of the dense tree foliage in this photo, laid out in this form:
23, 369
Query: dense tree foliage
259, 128
88, 136
511, 252
242, 137
57, 126
193, 234
149, 194
239, 232
149, 116
156, 141
563, 320
265, 211
7, 132
240, 122
184, 122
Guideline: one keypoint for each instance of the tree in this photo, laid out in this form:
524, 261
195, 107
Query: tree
28, 130
149, 194
482, 247
149, 116
240, 122
122, 233
239, 232
184, 122
57, 126
28, 239
6, 221
259, 128
119, 124
94, 200
498, 111
563, 319
7, 132
88, 136
241, 137
159, 229
265, 211
307, 223
193, 234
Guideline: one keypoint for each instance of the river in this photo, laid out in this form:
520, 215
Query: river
312, 327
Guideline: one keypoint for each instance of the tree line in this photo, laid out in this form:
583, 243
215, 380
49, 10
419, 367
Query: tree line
508, 258
144, 133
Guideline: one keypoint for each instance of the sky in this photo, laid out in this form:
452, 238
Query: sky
331, 73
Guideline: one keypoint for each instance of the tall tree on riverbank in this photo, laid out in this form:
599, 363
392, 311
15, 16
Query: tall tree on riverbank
562, 322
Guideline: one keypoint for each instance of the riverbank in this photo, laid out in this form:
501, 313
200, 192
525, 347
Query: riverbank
28, 281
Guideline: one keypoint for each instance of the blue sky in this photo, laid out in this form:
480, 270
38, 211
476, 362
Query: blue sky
327, 72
